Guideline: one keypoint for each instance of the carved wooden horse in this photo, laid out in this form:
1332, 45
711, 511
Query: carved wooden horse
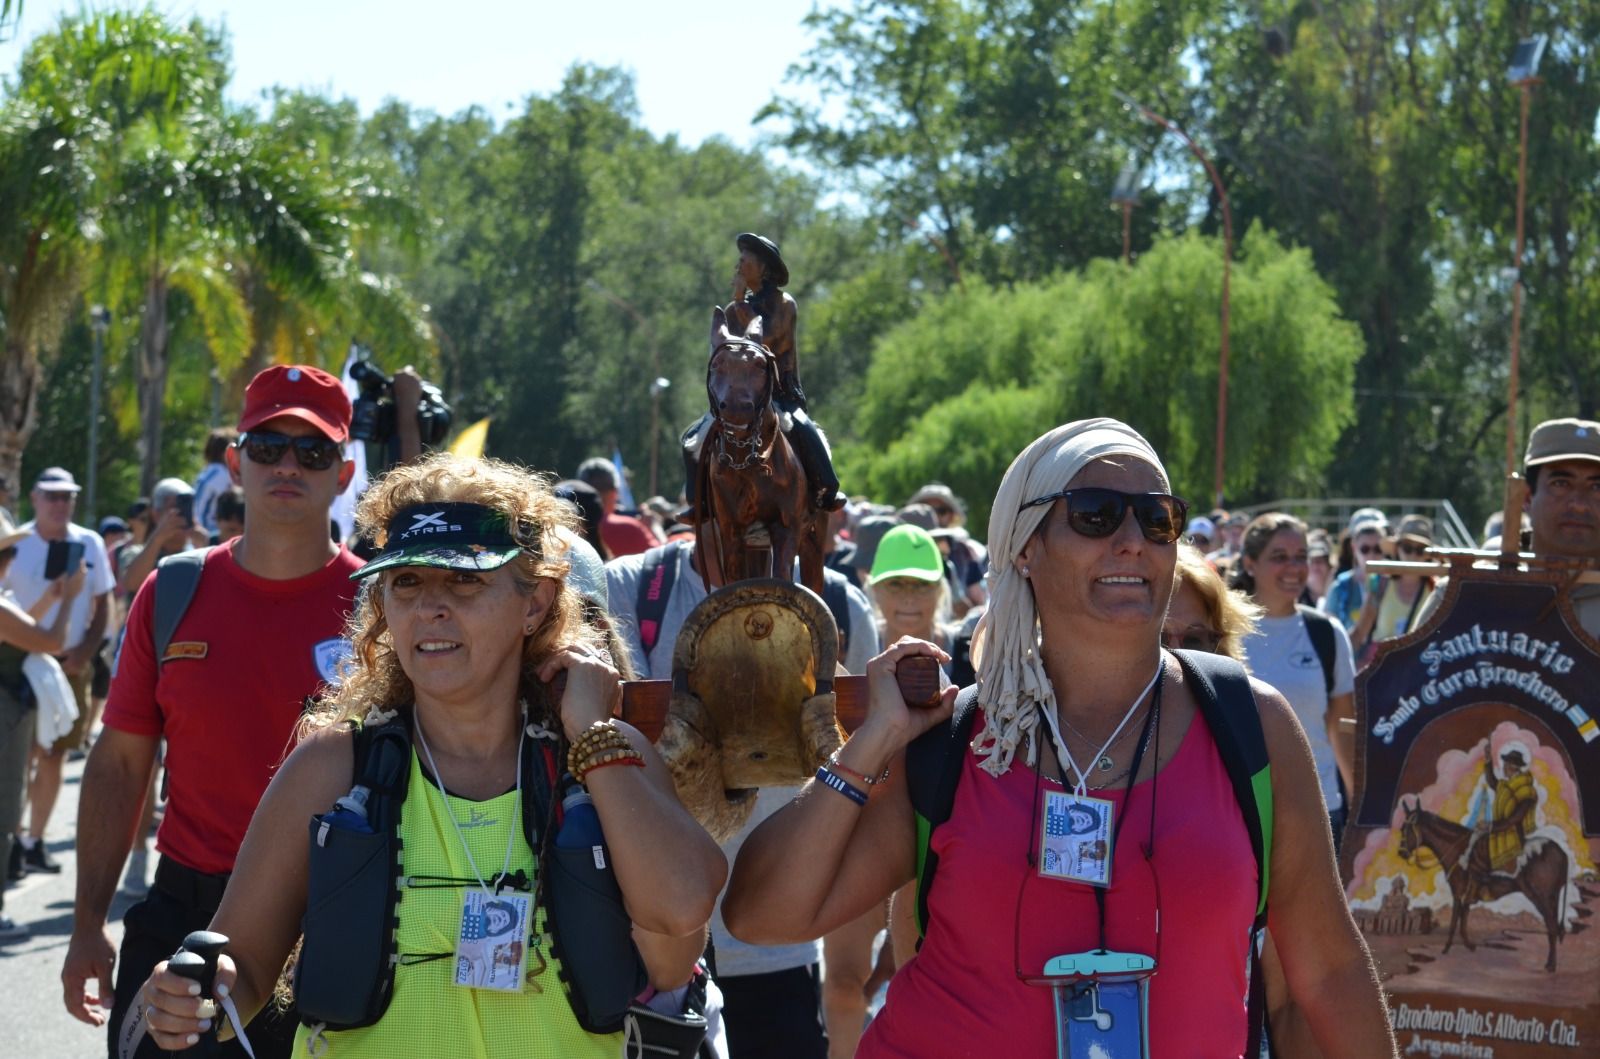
749, 475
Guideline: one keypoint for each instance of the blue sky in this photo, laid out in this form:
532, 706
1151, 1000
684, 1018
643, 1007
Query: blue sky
446, 56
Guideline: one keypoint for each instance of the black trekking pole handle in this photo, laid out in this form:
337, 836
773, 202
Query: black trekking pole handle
197, 961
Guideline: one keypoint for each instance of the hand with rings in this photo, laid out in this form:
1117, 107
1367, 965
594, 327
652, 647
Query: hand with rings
174, 1009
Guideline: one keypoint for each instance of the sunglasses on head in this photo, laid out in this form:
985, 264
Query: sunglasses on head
1098, 512
312, 452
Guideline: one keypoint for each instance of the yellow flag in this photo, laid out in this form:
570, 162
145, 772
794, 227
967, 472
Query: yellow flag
469, 443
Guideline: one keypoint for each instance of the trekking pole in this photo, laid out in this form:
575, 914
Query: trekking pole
197, 962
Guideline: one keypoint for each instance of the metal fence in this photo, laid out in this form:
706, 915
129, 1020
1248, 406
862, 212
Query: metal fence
1333, 515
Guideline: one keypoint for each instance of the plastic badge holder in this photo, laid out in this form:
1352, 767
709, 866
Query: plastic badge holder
1102, 1004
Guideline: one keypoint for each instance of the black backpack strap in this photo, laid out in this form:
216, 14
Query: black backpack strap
383, 766
1226, 701
836, 595
1320, 628
656, 576
177, 580
933, 770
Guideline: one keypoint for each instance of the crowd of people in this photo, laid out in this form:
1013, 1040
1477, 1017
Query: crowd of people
243, 673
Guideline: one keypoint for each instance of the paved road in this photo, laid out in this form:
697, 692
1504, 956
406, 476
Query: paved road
36, 1023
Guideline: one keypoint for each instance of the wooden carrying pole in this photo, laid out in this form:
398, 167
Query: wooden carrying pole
645, 702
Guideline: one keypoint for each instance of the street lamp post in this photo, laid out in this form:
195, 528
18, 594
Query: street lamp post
658, 386
99, 323
1522, 73
1227, 262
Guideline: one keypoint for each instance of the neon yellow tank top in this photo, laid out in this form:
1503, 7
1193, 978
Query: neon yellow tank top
429, 1015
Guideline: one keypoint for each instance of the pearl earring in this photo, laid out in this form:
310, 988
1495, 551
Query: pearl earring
527, 630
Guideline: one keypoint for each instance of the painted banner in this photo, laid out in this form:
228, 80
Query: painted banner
1469, 860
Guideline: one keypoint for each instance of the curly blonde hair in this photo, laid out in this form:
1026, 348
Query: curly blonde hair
373, 679
1232, 615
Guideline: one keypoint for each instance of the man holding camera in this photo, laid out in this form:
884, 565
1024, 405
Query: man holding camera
261, 634
172, 529
56, 547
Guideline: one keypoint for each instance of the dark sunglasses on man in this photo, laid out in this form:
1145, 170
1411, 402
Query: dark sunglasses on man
313, 451
1099, 512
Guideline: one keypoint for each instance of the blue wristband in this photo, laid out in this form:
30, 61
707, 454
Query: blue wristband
832, 779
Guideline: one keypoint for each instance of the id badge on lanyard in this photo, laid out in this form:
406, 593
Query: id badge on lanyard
491, 946
1076, 841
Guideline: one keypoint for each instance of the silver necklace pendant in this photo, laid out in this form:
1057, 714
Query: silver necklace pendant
1105, 763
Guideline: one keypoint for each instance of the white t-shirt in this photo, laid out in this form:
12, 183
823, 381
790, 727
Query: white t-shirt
26, 580
1280, 652
734, 957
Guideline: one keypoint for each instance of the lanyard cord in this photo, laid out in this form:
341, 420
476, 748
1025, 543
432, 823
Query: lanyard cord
516, 813
1064, 756
1151, 726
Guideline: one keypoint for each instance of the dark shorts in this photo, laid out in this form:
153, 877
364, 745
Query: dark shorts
777, 1015
100, 683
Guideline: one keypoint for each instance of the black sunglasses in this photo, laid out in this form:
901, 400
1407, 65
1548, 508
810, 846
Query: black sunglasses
1098, 512
313, 451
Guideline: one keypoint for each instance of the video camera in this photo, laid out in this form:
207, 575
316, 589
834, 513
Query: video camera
372, 416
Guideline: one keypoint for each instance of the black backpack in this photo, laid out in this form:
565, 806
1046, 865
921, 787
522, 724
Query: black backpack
934, 762
1320, 628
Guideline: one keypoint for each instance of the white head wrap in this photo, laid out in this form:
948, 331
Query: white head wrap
1011, 675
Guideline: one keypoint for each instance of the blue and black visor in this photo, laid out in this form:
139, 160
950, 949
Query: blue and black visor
451, 536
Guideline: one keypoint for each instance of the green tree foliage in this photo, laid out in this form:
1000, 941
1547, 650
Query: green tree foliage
573, 258
1380, 136
955, 393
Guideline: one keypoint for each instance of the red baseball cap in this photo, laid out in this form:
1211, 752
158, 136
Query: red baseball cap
299, 390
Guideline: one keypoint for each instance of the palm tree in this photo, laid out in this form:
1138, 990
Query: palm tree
78, 93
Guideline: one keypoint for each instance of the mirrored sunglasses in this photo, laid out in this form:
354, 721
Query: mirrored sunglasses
313, 452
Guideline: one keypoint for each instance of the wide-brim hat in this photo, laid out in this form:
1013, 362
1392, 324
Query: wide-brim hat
447, 536
1416, 529
10, 536
769, 254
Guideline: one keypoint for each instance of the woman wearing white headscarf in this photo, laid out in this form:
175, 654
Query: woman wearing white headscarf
1142, 851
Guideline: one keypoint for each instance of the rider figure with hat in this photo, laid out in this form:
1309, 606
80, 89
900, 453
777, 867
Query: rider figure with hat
758, 282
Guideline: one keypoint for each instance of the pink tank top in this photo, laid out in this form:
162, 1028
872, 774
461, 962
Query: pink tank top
960, 995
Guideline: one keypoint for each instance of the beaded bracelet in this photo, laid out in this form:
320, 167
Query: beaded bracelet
839, 766
600, 736
832, 779
629, 756
635, 758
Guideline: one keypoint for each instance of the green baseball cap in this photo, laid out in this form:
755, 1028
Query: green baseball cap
907, 551
452, 536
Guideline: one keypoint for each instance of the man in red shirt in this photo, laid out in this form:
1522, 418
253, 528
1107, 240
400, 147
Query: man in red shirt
263, 632
622, 534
